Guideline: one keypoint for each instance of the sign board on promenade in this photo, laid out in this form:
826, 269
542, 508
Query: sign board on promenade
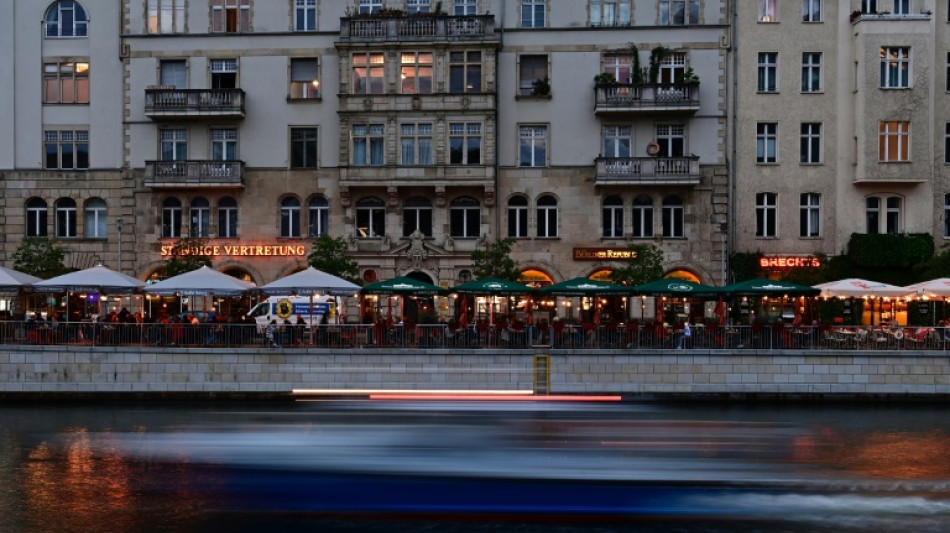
603, 254
240, 250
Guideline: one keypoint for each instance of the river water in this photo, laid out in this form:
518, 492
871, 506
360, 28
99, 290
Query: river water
166, 467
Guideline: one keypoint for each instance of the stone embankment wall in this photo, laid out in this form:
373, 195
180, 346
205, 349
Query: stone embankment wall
54, 370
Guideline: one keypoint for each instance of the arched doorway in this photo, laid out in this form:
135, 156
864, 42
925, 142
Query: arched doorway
421, 309
682, 274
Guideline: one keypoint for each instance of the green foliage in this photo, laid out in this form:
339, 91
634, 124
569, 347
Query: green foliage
605, 78
331, 256
495, 261
937, 266
745, 266
890, 251
39, 256
187, 254
848, 310
645, 265
656, 57
688, 76
541, 87
637, 71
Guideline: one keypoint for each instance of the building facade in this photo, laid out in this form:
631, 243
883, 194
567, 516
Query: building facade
417, 130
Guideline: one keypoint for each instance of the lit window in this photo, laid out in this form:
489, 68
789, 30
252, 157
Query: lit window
416, 73
619, 66
368, 73
66, 83
66, 19
895, 67
166, 16
894, 141
230, 16
810, 211
768, 10
766, 214
304, 78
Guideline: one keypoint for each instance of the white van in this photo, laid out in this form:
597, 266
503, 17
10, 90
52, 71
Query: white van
280, 308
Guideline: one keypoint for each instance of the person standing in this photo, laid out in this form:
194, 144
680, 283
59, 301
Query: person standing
685, 334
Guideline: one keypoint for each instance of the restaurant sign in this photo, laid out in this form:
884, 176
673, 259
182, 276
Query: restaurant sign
604, 254
778, 262
239, 250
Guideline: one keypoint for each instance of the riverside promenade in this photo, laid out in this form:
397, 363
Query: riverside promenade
76, 371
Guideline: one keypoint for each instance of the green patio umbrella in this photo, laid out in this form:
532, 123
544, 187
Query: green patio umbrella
403, 286
492, 286
584, 287
677, 288
769, 287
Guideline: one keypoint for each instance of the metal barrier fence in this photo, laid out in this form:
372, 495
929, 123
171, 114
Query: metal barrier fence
568, 336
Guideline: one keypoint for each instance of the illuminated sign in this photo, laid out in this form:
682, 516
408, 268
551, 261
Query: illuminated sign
239, 250
772, 262
603, 254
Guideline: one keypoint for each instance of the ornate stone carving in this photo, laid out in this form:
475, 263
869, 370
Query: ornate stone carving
440, 196
393, 192
345, 196
416, 253
489, 196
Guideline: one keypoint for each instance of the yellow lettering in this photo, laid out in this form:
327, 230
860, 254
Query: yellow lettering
260, 250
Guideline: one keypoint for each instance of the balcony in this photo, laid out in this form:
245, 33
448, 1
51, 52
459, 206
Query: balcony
421, 27
172, 103
625, 98
647, 170
194, 174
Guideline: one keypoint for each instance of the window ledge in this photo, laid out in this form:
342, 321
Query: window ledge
769, 164
895, 162
548, 238
896, 88
532, 97
818, 238
822, 91
316, 99
816, 164
767, 92
761, 238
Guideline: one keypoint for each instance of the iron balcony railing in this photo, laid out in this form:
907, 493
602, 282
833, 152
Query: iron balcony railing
646, 97
194, 173
647, 170
404, 28
183, 103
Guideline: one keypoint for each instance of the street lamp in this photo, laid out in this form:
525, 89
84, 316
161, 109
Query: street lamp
118, 226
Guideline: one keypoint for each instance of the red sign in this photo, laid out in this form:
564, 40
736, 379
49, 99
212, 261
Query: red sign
773, 262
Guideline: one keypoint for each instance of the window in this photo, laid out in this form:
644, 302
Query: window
810, 222
304, 78
946, 142
370, 6
417, 6
811, 72
165, 16
303, 147
66, 19
547, 216
66, 218
368, 144
894, 141
869, 6
895, 67
465, 72
893, 214
532, 13
368, 73
532, 146
319, 213
230, 16
872, 214
768, 72
901, 7
171, 218
224, 144
673, 217
609, 13
66, 83
679, 12
518, 217
200, 215
290, 217
417, 216
766, 142
173, 73
227, 218
465, 7
174, 144
416, 72
946, 216
370, 218
36, 222
305, 15
766, 213
224, 74
810, 142
95, 218
415, 142
672, 67
768, 10
643, 216
66, 149
672, 140
811, 10
465, 143
531, 69
465, 218
617, 141
619, 66
613, 217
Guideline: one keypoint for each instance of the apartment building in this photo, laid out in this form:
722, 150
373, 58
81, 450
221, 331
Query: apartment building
418, 130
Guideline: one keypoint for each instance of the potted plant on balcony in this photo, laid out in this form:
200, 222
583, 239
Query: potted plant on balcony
687, 77
605, 78
541, 87
656, 57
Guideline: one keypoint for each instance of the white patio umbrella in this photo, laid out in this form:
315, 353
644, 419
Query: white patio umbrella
14, 279
311, 281
859, 288
98, 279
204, 281
935, 288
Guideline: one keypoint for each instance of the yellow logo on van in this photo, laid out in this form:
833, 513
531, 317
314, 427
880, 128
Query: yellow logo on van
332, 306
285, 308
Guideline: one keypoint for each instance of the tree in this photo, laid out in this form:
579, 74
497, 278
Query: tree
39, 257
187, 254
495, 261
644, 265
332, 256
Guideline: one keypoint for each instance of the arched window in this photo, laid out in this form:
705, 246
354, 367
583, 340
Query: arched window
465, 217
613, 217
518, 217
673, 217
36, 218
200, 215
66, 18
95, 218
417, 215
319, 216
227, 218
643, 217
171, 218
547, 216
290, 217
370, 218
66, 218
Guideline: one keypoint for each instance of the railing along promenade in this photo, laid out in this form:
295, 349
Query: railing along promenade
629, 336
